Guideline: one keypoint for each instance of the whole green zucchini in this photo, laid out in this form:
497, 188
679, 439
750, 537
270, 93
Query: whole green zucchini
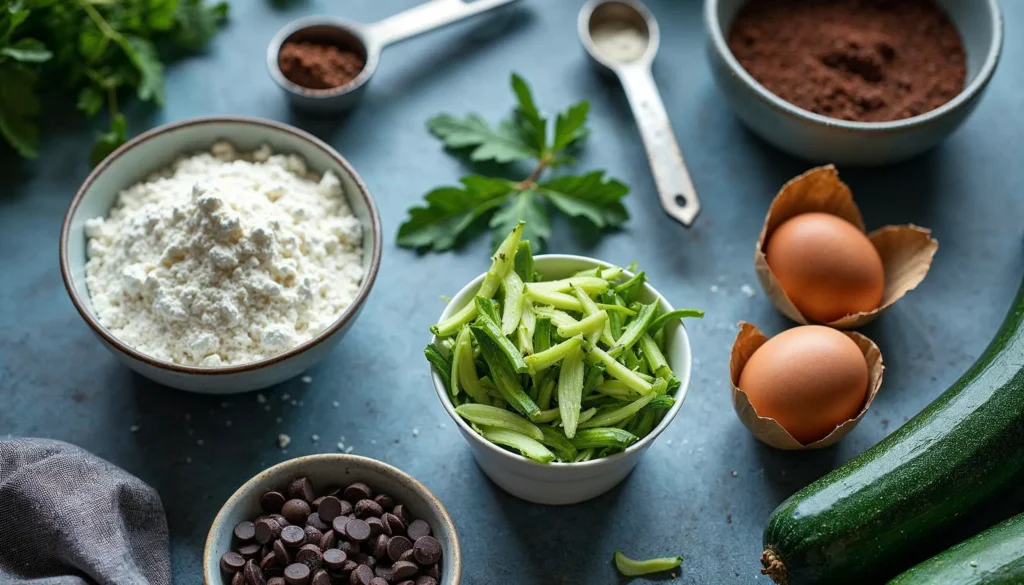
956, 457
994, 557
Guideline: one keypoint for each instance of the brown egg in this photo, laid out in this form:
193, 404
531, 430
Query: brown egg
826, 266
810, 379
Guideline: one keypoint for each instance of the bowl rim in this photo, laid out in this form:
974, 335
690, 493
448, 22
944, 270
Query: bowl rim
639, 446
454, 556
971, 91
347, 315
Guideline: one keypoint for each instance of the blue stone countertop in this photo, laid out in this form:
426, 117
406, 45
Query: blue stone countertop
706, 487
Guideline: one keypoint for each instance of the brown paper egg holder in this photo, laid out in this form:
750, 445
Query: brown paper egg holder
906, 250
768, 430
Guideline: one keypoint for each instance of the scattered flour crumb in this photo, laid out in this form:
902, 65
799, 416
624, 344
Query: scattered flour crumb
283, 440
748, 291
349, 449
199, 442
341, 446
267, 408
134, 428
415, 431
315, 438
714, 288
278, 420
285, 397
261, 398
735, 474
335, 404
307, 379
668, 442
295, 402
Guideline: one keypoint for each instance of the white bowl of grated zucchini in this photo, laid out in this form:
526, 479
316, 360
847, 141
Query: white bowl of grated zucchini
596, 335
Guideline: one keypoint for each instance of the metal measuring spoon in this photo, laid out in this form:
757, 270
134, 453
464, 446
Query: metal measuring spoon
365, 40
622, 37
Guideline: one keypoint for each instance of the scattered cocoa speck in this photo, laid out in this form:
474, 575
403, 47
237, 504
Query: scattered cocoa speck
79, 396
728, 518
885, 423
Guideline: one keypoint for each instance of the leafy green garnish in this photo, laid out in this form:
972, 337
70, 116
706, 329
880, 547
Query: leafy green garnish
100, 50
450, 212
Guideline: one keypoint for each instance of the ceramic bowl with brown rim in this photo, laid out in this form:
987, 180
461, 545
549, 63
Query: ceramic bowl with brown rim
338, 470
156, 150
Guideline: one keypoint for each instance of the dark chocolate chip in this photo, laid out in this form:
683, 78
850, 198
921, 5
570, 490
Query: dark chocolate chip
402, 570
329, 509
313, 536
328, 540
333, 490
245, 531
284, 557
267, 530
403, 513
433, 571
271, 572
253, 574
357, 530
271, 502
296, 574
296, 511
301, 488
321, 578
249, 551
315, 504
231, 562
368, 508
293, 535
378, 581
348, 547
426, 580
238, 579
334, 558
427, 550
397, 546
350, 565
317, 522
409, 582
365, 559
393, 526
385, 501
346, 508
310, 555
408, 556
380, 546
339, 525
279, 519
358, 491
279, 581
269, 561
383, 572
266, 550
417, 529
362, 575
376, 527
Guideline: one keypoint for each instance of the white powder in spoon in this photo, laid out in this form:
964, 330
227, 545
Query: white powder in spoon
619, 41
225, 258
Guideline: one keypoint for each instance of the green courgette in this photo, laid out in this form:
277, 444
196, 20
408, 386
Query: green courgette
864, 521
994, 557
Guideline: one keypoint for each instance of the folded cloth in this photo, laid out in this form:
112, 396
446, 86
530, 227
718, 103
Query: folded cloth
68, 517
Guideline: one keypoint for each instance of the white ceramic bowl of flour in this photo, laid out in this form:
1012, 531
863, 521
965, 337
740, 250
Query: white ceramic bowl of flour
157, 150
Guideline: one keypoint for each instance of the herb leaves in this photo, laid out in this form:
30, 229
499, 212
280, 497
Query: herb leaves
97, 48
449, 213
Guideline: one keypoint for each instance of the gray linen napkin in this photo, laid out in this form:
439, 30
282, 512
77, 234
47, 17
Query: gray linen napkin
68, 517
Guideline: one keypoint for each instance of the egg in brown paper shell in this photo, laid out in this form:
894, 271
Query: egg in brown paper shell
905, 253
770, 431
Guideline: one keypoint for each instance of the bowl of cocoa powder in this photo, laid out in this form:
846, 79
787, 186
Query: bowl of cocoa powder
853, 82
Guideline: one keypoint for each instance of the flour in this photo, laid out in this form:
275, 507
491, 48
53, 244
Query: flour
225, 258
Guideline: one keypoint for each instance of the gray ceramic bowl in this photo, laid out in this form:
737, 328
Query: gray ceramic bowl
333, 469
822, 139
155, 150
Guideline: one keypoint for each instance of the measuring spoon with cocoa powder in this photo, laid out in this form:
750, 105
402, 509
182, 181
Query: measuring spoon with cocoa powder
621, 37
366, 41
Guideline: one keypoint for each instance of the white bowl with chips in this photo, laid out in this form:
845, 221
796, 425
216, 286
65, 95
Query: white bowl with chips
567, 483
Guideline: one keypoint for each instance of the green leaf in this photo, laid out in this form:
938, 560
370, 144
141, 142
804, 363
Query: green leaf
19, 105
502, 144
450, 211
27, 51
90, 100
108, 142
18, 16
160, 14
142, 54
590, 196
92, 44
528, 207
532, 126
569, 127
196, 22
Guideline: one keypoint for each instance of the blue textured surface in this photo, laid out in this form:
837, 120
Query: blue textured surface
706, 487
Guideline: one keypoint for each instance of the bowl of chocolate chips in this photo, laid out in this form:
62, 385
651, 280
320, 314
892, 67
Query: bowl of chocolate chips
332, 519
853, 82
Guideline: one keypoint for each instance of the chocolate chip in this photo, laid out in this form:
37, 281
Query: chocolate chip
329, 509
426, 580
293, 535
339, 525
321, 578
231, 562
346, 508
271, 502
249, 551
409, 582
397, 546
313, 536
310, 556
296, 574
408, 556
316, 521
348, 547
328, 540
365, 559
253, 574
271, 572
368, 508
334, 558
402, 570
279, 581
403, 513
380, 546
433, 571
296, 511
376, 527
393, 525
284, 557
383, 572
358, 491
279, 519
238, 579
350, 565
245, 531
315, 504
378, 581
385, 501
301, 488
362, 575
417, 529
269, 561
427, 550
267, 530
333, 490
265, 550
357, 530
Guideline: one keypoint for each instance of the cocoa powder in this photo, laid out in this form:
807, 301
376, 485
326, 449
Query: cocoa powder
861, 60
317, 66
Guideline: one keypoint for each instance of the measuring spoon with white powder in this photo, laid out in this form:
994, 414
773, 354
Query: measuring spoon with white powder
622, 37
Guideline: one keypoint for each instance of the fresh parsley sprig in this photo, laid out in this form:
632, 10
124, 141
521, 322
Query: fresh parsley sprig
451, 211
100, 49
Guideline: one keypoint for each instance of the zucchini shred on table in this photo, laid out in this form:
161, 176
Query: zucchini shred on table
564, 370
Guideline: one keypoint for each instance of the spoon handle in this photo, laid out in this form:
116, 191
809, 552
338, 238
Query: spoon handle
678, 196
427, 17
